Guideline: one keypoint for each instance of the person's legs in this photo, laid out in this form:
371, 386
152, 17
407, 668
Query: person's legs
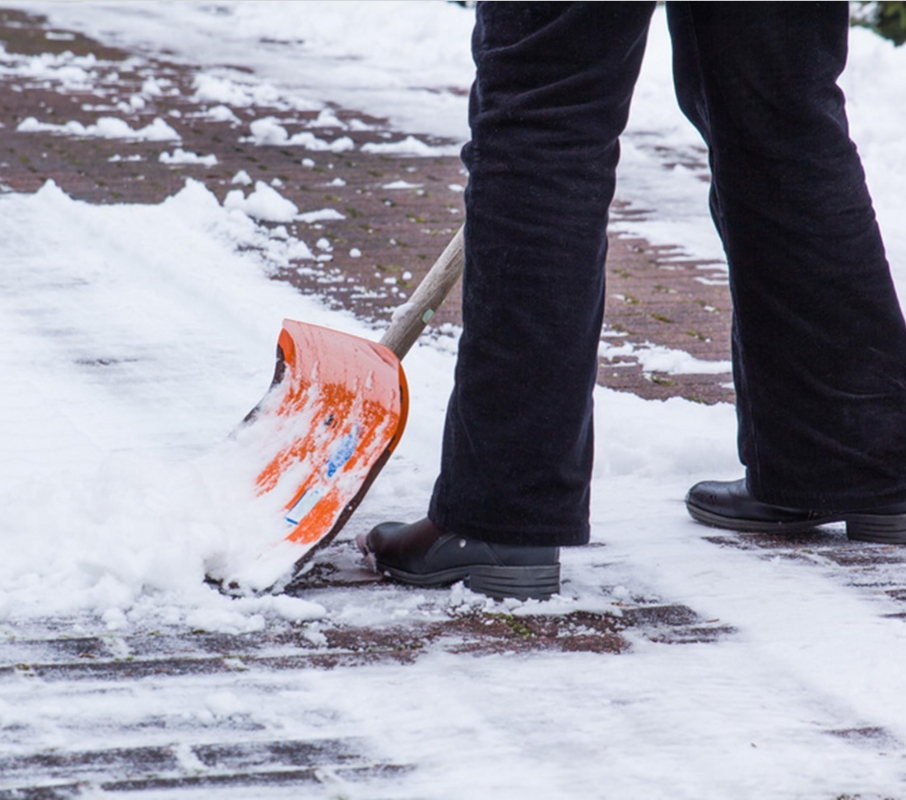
818, 336
550, 99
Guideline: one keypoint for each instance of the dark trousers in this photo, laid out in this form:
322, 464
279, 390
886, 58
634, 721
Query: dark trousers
819, 344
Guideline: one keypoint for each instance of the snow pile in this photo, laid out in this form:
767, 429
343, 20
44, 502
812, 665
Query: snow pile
65, 70
264, 203
657, 358
152, 87
328, 118
410, 146
269, 131
223, 91
321, 215
221, 113
104, 128
134, 352
402, 185
181, 157
228, 88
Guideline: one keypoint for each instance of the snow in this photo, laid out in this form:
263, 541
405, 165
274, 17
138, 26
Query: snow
143, 334
221, 113
264, 203
69, 71
410, 146
873, 104
656, 358
321, 215
104, 128
408, 61
233, 91
328, 118
269, 131
402, 185
182, 157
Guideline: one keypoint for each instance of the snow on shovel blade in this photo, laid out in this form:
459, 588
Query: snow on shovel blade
335, 412
338, 407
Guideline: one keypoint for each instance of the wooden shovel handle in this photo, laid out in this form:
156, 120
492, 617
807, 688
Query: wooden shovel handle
409, 319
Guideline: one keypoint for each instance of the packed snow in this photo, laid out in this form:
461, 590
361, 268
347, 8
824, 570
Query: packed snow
138, 336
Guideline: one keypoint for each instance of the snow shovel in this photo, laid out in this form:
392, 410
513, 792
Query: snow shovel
338, 404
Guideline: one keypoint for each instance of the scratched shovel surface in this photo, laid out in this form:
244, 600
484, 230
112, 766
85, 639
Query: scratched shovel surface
334, 413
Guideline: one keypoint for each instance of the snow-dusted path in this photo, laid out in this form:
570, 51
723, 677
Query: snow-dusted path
783, 678
678, 662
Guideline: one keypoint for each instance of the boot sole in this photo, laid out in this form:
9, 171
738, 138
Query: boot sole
878, 528
881, 528
521, 583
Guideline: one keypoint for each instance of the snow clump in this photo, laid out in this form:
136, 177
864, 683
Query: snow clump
105, 128
180, 156
269, 131
265, 203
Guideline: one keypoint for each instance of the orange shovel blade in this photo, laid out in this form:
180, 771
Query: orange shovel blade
339, 403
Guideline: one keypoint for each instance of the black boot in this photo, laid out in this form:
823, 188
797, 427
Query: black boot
422, 554
728, 504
